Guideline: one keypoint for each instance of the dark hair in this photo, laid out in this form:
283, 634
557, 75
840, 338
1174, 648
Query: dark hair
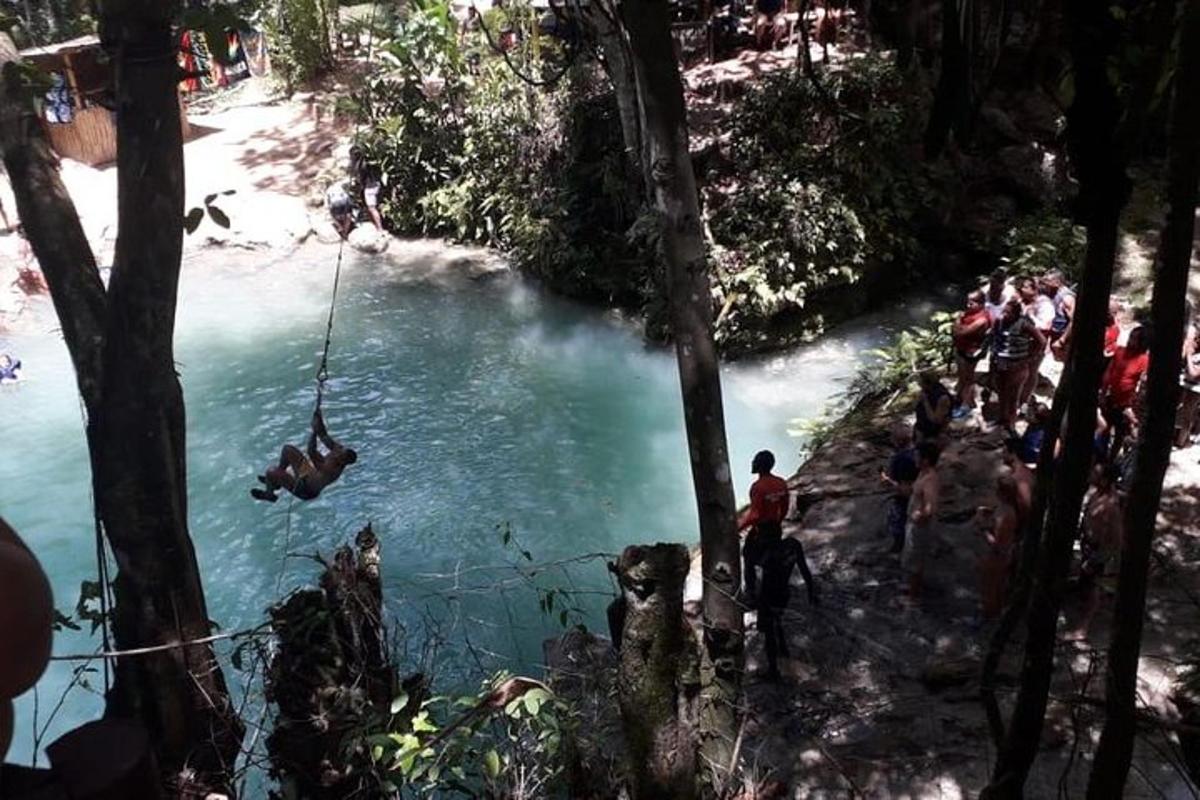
929, 452
351, 456
763, 461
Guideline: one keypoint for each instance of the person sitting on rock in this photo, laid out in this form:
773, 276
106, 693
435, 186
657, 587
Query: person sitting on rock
778, 562
341, 207
306, 476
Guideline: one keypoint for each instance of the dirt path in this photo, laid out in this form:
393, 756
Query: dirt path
271, 153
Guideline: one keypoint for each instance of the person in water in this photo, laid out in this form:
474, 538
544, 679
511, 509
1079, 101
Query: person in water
306, 476
10, 369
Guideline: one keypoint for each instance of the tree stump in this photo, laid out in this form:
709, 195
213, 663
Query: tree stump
331, 676
657, 652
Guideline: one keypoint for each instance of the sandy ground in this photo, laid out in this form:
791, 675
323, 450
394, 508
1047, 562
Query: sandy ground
272, 154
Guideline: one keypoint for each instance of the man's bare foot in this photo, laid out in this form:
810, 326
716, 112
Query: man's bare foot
263, 494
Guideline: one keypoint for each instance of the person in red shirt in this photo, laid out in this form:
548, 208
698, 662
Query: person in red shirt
769, 501
1119, 390
970, 346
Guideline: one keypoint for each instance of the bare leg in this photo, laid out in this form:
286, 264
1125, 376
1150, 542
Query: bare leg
375, 216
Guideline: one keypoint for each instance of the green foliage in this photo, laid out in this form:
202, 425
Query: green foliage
300, 33
471, 152
823, 194
889, 374
463, 746
1042, 242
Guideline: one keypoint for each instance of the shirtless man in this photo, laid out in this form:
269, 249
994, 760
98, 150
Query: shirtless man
308, 475
922, 508
1100, 541
1022, 474
1001, 527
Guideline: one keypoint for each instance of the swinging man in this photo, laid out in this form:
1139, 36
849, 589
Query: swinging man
306, 476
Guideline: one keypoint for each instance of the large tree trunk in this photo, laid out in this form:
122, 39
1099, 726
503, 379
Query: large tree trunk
1092, 128
138, 433
121, 347
654, 645
1168, 311
673, 185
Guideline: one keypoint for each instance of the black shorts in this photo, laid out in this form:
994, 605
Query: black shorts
971, 358
302, 490
768, 8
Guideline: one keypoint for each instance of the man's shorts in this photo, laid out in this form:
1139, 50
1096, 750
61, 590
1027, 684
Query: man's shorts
918, 546
371, 196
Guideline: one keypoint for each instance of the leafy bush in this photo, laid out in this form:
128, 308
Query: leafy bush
449, 747
471, 152
1042, 242
300, 34
824, 194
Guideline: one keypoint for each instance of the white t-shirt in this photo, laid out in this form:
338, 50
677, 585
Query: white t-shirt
1041, 311
995, 310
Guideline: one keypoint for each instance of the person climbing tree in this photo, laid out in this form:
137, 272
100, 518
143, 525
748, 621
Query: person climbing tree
306, 474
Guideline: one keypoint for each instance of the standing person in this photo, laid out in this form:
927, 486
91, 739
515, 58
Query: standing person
1021, 474
921, 518
970, 346
769, 500
1001, 530
779, 561
1189, 397
1063, 298
1039, 308
899, 475
1101, 537
934, 405
997, 293
766, 23
1015, 339
1112, 331
1119, 389
369, 179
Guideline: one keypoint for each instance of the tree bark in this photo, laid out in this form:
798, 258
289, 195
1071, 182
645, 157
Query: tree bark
1168, 311
673, 185
653, 643
139, 451
121, 347
951, 109
1104, 187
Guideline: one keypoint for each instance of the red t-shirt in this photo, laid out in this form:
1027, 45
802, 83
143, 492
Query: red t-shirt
769, 500
971, 342
1124, 374
1111, 334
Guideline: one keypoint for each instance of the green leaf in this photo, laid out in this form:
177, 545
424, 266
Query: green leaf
399, 702
491, 764
218, 216
421, 723
193, 219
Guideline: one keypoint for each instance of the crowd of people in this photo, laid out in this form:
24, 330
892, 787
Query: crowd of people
1024, 329
1010, 340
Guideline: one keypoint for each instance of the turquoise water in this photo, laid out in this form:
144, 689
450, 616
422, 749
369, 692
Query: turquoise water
476, 407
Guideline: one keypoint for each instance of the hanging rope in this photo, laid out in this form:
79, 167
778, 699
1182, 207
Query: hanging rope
323, 368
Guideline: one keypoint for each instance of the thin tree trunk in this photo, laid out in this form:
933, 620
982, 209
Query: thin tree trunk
139, 432
674, 188
1030, 547
652, 647
1168, 311
952, 99
1104, 186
